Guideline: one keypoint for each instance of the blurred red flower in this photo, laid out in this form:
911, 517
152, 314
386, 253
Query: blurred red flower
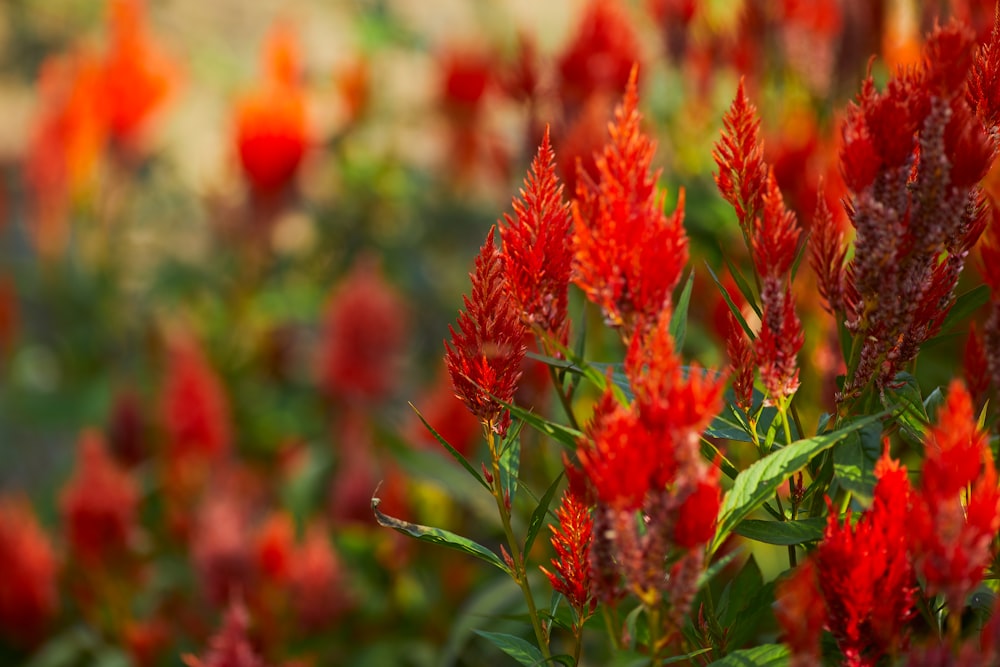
99, 504
365, 331
28, 595
193, 405
272, 130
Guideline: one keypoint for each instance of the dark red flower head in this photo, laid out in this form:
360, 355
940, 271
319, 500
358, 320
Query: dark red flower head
28, 594
193, 405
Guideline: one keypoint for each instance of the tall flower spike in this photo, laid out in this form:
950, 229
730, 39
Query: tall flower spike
742, 363
628, 255
801, 612
739, 155
828, 258
571, 541
484, 356
953, 542
537, 254
28, 596
984, 80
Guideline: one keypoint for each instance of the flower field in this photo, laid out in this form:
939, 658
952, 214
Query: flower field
586, 332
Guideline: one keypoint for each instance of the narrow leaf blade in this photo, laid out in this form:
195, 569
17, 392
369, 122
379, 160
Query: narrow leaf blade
523, 651
537, 519
457, 455
782, 533
437, 536
678, 321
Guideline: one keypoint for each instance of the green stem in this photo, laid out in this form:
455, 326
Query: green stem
611, 626
520, 574
653, 616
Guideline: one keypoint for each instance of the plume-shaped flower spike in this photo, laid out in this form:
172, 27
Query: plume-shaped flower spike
628, 255
537, 254
739, 155
484, 356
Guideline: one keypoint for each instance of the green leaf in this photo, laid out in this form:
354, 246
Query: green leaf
523, 651
742, 284
457, 455
712, 454
854, 461
965, 305
678, 321
729, 301
803, 244
718, 566
906, 400
537, 519
766, 655
562, 434
757, 483
510, 460
782, 532
437, 536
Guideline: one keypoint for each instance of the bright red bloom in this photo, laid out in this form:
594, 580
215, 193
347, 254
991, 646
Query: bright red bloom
698, 512
828, 258
742, 363
317, 581
484, 356
623, 460
272, 130
98, 504
739, 155
466, 75
193, 405
628, 254
600, 55
365, 331
775, 235
571, 541
137, 76
231, 646
28, 595
954, 540
865, 572
537, 254
801, 613
778, 344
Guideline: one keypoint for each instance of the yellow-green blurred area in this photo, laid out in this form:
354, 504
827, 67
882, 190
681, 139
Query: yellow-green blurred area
232, 238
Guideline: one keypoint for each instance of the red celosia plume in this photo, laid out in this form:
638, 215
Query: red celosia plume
99, 504
571, 540
193, 405
628, 254
484, 355
739, 156
231, 646
537, 254
28, 595
272, 130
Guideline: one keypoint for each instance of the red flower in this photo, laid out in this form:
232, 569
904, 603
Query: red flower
466, 75
193, 405
275, 547
865, 572
484, 356
365, 330
98, 504
742, 363
600, 55
697, 514
28, 595
271, 126
954, 540
137, 76
317, 581
536, 248
622, 459
231, 646
222, 545
572, 540
739, 155
828, 258
801, 612
628, 254
775, 234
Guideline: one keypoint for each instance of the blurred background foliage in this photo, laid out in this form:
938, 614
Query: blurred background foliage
164, 278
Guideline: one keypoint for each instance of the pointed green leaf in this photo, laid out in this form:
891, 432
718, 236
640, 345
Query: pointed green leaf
523, 651
562, 434
457, 455
757, 483
803, 244
907, 402
729, 301
437, 536
742, 284
782, 532
678, 321
854, 461
537, 519
766, 655
510, 459
965, 305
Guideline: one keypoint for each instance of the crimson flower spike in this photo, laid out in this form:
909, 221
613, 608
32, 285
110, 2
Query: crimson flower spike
537, 255
484, 356
739, 155
828, 258
984, 80
628, 255
773, 244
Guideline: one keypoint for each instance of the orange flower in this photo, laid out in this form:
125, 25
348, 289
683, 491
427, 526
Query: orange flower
137, 77
28, 596
271, 126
